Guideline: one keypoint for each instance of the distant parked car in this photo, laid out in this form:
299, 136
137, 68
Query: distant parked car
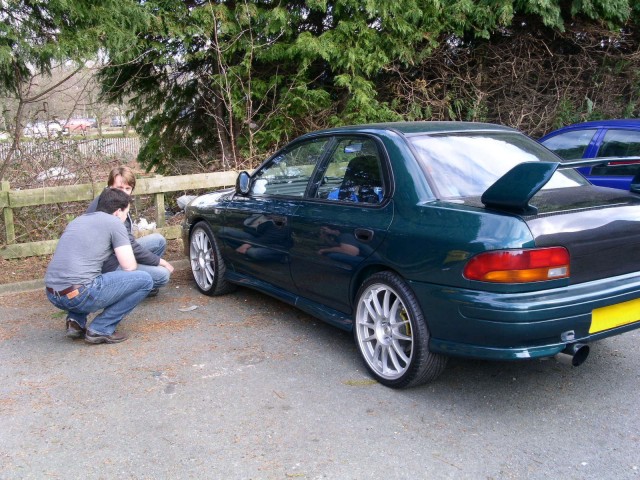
78, 125
601, 139
43, 129
118, 121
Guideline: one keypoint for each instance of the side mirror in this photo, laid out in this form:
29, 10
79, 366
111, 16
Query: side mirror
243, 183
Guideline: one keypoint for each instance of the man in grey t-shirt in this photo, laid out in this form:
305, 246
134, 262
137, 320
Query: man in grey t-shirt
149, 249
74, 281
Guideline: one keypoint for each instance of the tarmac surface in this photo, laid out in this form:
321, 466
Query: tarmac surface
246, 387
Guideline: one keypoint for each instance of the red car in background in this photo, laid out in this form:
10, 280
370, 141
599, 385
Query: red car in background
79, 125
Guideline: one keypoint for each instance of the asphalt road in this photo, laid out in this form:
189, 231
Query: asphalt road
246, 387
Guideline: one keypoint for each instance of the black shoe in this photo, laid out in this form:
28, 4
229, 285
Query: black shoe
96, 338
153, 292
74, 330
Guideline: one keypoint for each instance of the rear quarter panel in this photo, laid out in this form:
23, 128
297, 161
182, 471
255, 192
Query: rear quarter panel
432, 242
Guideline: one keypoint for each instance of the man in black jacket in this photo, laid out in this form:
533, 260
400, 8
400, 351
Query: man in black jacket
148, 250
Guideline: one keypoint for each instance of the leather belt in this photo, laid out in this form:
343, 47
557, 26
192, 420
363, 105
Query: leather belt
69, 292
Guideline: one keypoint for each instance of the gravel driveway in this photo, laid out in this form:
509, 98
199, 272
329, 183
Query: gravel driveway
246, 387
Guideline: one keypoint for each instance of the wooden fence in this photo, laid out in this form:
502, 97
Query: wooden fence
111, 146
158, 186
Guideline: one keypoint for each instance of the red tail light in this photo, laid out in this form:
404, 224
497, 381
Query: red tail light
519, 266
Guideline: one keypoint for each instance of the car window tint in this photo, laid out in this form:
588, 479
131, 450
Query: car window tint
570, 145
619, 143
353, 173
461, 165
289, 172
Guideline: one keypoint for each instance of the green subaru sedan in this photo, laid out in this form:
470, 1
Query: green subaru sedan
428, 240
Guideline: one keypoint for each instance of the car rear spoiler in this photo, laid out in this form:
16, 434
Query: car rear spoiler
514, 189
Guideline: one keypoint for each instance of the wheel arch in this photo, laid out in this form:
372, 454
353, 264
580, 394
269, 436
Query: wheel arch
200, 217
369, 270
186, 233
361, 276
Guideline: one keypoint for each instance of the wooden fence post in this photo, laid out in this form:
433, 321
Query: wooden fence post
8, 216
160, 219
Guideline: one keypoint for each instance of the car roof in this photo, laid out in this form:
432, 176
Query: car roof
416, 128
631, 123
623, 122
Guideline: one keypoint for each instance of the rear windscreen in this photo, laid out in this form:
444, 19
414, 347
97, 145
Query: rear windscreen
466, 164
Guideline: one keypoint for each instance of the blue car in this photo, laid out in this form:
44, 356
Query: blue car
618, 140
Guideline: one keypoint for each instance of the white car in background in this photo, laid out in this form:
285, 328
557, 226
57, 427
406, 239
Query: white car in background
43, 129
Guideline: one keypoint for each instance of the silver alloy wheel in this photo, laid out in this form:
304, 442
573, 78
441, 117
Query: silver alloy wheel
201, 255
384, 332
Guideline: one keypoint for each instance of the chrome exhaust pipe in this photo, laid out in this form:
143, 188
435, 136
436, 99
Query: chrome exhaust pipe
574, 354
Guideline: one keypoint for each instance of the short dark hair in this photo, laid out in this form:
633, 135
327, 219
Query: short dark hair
111, 200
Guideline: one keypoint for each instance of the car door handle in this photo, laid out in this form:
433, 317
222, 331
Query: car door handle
364, 234
279, 220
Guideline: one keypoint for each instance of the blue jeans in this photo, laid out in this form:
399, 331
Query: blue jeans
157, 244
154, 242
115, 293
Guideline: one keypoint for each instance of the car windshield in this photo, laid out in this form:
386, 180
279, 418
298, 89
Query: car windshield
466, 164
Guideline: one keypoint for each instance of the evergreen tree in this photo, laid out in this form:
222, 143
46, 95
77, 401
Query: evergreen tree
231, 80
36, 36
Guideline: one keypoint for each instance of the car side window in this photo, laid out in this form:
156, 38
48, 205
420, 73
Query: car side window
570, 145
619, 143
289, 172
353, 173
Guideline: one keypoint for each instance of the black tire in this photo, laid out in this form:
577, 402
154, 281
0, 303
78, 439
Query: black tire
392, 335
207, 266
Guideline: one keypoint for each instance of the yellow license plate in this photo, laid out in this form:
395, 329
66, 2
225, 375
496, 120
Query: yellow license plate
616, 315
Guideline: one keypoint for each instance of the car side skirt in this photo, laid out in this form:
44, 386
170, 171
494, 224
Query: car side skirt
322, 312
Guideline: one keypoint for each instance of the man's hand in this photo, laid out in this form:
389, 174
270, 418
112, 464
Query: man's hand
165, 264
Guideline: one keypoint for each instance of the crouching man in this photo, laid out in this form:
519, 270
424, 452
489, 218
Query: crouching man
74, 279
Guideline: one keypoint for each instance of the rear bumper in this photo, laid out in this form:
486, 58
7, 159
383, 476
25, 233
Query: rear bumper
487, 325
